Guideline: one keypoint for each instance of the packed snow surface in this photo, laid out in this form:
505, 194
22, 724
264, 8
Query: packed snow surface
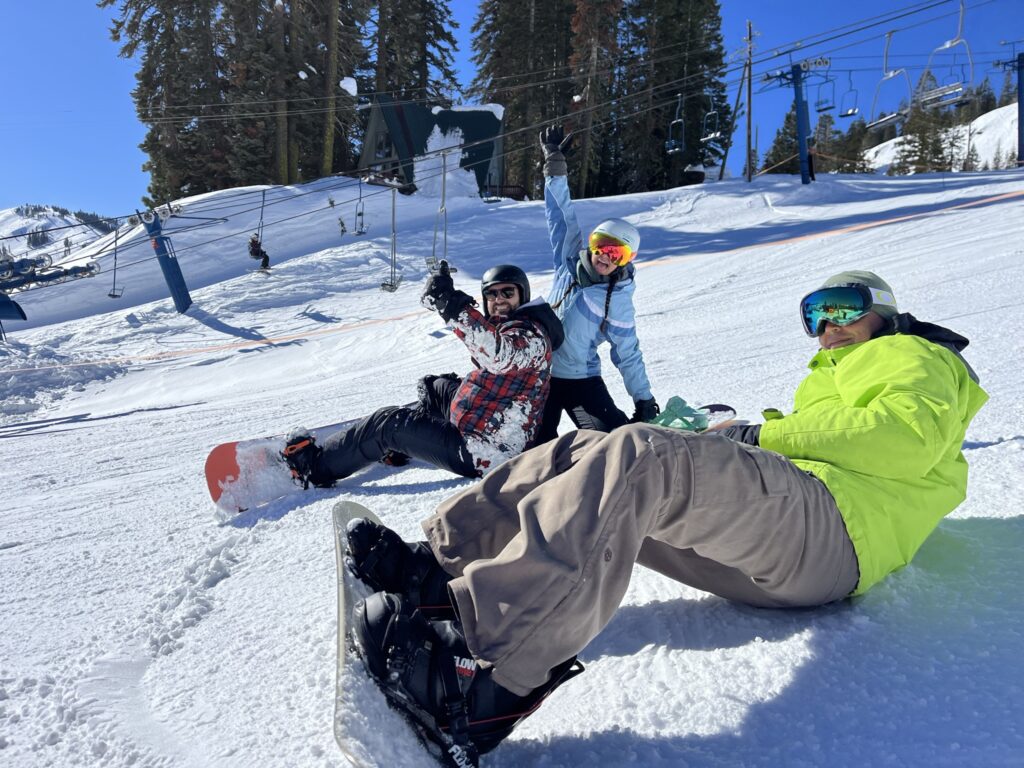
137, 631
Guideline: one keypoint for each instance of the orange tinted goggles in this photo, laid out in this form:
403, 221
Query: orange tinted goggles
617, 252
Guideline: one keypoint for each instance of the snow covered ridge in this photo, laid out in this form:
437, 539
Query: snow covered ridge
137, 631
67, 231
993, 136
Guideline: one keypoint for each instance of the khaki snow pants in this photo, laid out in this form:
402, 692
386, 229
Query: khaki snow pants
543, 547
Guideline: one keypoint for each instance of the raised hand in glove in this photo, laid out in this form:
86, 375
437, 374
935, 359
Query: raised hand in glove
555, 145
742, 433
440, 295
645, 410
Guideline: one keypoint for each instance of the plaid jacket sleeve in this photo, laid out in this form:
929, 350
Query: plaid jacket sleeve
503, 347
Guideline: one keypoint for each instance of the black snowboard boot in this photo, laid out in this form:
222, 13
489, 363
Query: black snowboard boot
301, 454
379, 558
427, 673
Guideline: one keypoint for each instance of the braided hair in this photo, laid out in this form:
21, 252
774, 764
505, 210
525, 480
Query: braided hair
613, 278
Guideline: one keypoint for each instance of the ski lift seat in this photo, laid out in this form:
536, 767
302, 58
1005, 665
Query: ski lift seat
116, 293
885, 120
933, 96
930, 97
676, 141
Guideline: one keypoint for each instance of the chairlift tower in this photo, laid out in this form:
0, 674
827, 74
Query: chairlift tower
795, 77
1019, 65
153, 222
1020, 110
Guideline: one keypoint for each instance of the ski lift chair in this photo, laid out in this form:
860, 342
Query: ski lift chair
848, 102
952, 91
676, 141
880, 120
948, 93
359, 221
825, 99
710, 129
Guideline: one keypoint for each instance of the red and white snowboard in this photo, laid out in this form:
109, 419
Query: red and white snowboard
246, 474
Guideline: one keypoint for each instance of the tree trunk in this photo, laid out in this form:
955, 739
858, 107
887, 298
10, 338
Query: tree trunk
331, 88
588, 121
281, 105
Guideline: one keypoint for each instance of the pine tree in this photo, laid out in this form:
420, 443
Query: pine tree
826, 144
971, 160
353, 61
413, 44
850, 147
922, 145
783, 155
202, 140
750, 167
670, 48
593, 45
435, 67
984, 99
152, 30
242, 35
522, 49
1008, 93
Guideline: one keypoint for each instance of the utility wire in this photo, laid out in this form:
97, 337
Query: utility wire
864, 24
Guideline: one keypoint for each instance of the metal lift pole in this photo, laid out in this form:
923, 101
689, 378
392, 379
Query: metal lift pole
167, 261
1020, 110
750, 97
803, 123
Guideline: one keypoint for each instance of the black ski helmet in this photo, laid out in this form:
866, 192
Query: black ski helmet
506, 273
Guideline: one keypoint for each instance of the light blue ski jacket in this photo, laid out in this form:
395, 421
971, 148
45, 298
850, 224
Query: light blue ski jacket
582, 310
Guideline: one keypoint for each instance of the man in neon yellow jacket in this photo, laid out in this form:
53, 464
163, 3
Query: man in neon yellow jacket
805, 509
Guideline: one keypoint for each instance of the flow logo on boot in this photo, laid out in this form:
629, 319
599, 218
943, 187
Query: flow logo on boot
465, 667
459, 756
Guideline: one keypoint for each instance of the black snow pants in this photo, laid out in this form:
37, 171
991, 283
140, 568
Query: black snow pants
421, 431
587, 402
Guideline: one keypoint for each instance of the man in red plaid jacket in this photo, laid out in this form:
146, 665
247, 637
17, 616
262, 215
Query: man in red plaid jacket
467, 426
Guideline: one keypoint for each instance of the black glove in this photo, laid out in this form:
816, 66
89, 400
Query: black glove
439, 294
437, 291
555, 145
645, 410
742, 433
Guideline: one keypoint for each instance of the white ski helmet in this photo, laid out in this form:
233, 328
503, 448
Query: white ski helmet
620, 230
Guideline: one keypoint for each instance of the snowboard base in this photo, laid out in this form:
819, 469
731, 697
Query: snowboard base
244, 474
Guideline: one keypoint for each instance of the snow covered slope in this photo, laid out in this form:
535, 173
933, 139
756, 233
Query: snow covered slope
137, 631
62, 226
992, 135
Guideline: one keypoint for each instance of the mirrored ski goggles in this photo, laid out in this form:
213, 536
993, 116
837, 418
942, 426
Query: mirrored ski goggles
840, 305
501, 293
616, 251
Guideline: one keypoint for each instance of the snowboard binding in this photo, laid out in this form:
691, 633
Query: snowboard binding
427, 673
300, 453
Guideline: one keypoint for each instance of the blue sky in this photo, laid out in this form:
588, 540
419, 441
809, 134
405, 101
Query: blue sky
69, 135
